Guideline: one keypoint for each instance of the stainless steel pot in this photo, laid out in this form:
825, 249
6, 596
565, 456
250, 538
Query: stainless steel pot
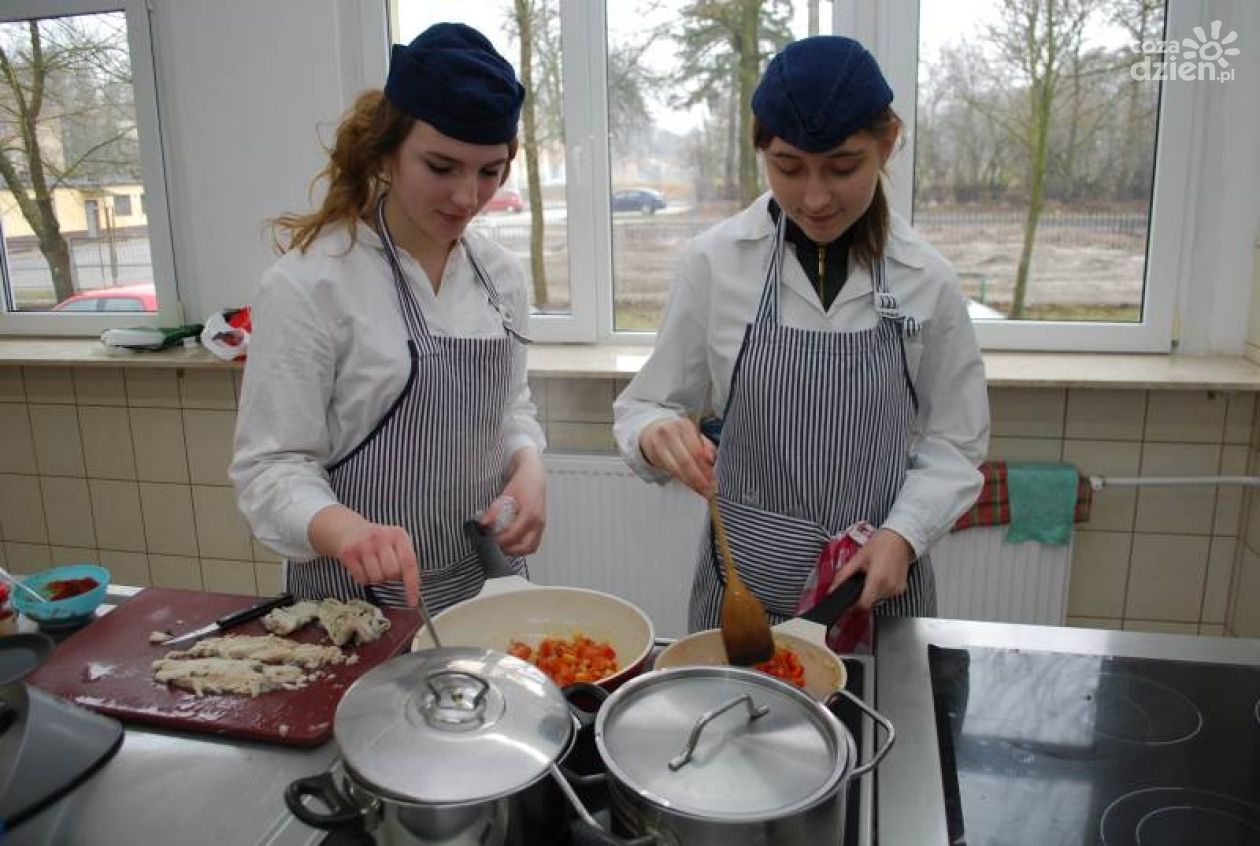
720, 756
446, 747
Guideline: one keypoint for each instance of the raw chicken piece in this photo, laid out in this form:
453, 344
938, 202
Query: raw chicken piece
286, 620
267, 649
228, 675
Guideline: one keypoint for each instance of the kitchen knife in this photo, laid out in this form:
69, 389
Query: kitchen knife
229, 620
838, 601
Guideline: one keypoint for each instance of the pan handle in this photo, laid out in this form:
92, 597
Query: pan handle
877, 717
586, 830
342, 812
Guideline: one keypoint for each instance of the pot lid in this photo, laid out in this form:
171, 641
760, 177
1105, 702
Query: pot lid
451, 726
768, 751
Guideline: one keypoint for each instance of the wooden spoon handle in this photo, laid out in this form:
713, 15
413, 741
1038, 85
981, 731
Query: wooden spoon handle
719, 531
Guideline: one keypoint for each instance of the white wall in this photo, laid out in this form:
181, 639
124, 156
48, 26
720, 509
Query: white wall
244, 89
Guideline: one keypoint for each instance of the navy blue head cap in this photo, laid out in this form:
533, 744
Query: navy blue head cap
451, 77
818, 91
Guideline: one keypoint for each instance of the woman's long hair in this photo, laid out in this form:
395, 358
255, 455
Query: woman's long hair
369, 133
870, 231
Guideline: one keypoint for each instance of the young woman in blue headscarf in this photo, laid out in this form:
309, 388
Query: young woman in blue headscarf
833, 344
385, 398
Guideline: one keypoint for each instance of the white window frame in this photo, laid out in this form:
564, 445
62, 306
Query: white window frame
890, 29
152, 162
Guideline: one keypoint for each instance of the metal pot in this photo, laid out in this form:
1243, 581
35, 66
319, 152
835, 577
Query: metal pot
721, 756
447, 746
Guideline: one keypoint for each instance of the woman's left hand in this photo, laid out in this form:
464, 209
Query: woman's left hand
885, 559
527, 486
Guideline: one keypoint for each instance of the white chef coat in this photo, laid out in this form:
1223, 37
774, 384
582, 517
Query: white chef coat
714, 298
328, 356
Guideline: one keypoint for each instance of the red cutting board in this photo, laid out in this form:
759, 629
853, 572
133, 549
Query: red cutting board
107, 666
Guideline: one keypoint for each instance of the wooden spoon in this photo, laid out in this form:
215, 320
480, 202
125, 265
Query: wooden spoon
745, 628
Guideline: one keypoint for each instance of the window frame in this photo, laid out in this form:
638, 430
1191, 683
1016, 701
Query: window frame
153, 167
881, 24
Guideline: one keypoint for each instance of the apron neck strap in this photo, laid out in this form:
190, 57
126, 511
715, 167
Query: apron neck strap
768, 308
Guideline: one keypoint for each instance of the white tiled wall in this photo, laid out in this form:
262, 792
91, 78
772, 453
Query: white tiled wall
128, 466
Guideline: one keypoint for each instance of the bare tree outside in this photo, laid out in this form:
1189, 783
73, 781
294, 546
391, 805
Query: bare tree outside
67, 121
1034, 155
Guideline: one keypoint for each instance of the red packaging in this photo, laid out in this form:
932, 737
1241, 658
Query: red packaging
851, 632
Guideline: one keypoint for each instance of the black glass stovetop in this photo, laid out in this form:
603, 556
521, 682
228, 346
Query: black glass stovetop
1072, 750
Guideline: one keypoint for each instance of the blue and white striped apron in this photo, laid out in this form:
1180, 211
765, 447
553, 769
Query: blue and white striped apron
434, 459
816, 437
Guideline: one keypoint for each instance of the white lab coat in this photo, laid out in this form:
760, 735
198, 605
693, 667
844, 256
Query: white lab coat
328, 356
715, 296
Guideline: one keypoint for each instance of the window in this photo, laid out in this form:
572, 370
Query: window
1035, 150
77, 84
680, 145
1037, 181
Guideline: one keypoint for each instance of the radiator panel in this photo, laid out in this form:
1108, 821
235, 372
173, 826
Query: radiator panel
609, 530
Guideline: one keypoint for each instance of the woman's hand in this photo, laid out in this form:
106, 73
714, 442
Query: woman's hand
885, 559
371, 552
527, 486
676, 446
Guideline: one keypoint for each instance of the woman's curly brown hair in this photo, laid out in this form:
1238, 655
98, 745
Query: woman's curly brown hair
370, 132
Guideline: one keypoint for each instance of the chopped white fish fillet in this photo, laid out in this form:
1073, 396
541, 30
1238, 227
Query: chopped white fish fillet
228, 675
267, 649
286, 620
356, 620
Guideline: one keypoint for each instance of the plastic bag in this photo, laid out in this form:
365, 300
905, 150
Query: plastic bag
851, 632
226, 333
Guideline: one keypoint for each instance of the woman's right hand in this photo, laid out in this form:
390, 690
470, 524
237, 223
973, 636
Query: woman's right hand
676, 446
371, 552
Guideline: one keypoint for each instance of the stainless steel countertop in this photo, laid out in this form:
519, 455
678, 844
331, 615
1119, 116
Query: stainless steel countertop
163, 787
911, 806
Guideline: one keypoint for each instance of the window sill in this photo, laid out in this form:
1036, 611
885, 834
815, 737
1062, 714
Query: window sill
1004, 370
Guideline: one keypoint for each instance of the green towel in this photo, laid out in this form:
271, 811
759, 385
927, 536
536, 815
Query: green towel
1043, 502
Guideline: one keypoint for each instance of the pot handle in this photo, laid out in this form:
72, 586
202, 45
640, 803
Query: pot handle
586, 830
754, 712
342, 812
876, 717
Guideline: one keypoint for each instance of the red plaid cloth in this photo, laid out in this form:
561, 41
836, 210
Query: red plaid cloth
993, 506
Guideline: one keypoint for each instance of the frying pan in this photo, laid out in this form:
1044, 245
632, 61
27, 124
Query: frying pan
824, 672
511, 608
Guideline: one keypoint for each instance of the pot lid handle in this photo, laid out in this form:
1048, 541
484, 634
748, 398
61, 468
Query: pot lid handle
891, 733
456, 699
754, 712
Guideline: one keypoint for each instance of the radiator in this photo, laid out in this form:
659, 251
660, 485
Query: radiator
979, 576
611, 531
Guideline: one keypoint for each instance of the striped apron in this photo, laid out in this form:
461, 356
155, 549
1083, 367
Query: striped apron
434, 459
816, 437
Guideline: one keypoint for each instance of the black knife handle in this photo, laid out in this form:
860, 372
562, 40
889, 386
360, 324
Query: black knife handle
253, 612
838, 601
493, 561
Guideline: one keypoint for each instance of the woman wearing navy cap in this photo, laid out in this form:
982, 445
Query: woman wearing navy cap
385, 397
835, 346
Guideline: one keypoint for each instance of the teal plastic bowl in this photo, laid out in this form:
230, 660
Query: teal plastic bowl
70, 611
